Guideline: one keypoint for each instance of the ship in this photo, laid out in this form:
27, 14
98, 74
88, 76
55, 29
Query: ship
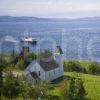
29, 40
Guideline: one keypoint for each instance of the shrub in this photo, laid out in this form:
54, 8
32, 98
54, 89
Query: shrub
11, 86
73, 66
73, 89
94, 68
20, 64
40, 90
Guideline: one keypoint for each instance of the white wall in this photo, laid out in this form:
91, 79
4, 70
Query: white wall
60, 58
42, 74
34, 66
53, 74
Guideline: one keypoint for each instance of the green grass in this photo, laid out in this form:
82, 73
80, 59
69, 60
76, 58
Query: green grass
84, 63
91, 83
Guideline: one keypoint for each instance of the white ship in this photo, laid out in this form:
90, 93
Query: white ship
29, 40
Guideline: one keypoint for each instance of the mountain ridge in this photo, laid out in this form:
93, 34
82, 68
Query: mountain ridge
32, 19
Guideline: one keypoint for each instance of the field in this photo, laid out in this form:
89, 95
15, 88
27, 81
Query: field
91, 82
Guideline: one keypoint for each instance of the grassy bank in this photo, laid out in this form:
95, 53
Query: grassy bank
91, 83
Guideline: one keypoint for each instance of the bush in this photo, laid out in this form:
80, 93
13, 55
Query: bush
73, 89
32, 56
73, 66
20, 64
40, 90
45, 54
94, 68
11, 86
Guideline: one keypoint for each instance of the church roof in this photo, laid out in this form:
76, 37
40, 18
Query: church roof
48, 65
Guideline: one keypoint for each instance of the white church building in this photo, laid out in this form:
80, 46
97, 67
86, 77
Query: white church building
46, 69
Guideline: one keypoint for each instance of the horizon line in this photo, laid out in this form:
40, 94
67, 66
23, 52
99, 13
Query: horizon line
50, 17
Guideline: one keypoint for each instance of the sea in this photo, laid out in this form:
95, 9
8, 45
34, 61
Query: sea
78, 39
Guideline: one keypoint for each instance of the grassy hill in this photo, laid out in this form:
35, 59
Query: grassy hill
91, 83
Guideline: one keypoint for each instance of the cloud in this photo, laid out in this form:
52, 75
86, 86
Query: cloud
49, 8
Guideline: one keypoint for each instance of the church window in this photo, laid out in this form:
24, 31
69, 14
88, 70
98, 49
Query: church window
39, 73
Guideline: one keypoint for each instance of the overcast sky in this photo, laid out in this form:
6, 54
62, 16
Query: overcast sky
50, 8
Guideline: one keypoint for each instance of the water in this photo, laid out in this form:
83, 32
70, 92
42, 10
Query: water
79, 39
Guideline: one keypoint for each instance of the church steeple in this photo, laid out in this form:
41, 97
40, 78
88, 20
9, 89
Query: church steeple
58, 55
59, 50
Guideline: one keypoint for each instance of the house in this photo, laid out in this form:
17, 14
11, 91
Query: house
46, 69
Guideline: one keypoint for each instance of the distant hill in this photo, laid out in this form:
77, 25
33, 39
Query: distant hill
18, 19
32, 19
90, 19
25, 19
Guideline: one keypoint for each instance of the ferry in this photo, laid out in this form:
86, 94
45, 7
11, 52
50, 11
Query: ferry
29, 40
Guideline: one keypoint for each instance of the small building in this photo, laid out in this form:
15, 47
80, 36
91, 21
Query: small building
46, 68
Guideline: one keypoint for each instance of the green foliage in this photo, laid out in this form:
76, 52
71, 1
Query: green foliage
72, 65
45, 54
94, 68
81, 92
20, 64
91, 84
73, 89
90, 67
3, 65
11, 86
25, 89
32, 56
39, 90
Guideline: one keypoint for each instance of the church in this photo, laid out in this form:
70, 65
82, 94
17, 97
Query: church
43, 69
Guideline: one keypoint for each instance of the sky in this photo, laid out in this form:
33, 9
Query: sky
50, 8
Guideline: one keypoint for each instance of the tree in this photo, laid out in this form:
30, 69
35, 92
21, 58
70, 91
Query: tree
81, 92
20, 64
40, 90
3, 65
72, 65
11, 86
1, 78
93, 68
32, 56
73, 89
45, 54
25, 89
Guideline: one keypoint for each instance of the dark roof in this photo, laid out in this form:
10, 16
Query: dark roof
48, 65
34, 75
